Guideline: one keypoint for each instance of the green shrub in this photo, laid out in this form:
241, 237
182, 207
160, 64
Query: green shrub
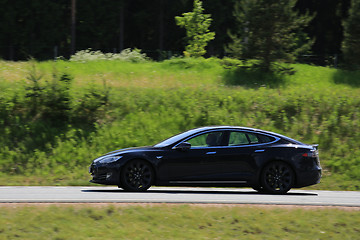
92, 105
126, 55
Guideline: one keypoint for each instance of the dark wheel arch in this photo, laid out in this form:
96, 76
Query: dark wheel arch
277, 177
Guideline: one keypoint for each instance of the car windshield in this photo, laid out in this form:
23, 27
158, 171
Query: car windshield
176, 138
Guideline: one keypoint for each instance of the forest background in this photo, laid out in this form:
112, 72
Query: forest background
43, 29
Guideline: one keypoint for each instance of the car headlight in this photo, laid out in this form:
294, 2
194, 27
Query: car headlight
109, 159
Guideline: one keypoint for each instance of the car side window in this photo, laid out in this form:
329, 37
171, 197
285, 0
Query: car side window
238, 138
253, 138
242, 138
206, 140
265, 139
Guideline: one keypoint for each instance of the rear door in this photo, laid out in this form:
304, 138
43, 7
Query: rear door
238, 157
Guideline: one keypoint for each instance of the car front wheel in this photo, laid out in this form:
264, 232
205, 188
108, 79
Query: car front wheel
137, 176
277, 178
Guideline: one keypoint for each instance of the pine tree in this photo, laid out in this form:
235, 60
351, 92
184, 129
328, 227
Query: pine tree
351, 43
197, 26
268, 30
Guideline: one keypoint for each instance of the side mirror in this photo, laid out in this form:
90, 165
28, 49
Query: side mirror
183, 146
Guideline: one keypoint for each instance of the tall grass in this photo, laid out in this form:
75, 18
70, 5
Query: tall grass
133, 104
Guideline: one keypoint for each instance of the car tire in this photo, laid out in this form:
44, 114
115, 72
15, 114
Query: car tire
137, 176
277, 178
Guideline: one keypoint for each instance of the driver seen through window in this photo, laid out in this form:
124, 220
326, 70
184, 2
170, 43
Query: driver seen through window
206, 140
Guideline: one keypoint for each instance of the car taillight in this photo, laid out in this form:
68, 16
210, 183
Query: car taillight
310, 154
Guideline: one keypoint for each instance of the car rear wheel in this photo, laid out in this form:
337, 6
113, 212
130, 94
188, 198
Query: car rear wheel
137, 176
277, 177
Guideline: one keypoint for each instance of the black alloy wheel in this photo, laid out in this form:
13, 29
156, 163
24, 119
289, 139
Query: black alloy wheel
277, 178
137, 176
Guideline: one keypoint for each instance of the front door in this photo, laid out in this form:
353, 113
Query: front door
199, 163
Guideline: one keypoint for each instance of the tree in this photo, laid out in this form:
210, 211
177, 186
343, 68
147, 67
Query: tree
326, 28
268, 30
197, 26
31, 28
73, 26
351, 43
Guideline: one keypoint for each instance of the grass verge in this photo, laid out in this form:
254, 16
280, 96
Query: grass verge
176, 222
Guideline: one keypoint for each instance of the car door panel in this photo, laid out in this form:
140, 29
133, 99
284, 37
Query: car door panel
188, 165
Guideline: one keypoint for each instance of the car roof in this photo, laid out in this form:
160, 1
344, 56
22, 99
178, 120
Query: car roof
206, 128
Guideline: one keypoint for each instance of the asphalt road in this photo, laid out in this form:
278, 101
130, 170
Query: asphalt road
176, 195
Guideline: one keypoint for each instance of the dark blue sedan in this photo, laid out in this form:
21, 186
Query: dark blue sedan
216, 156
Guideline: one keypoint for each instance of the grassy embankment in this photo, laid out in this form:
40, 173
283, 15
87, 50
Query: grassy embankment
143, 103
176, 222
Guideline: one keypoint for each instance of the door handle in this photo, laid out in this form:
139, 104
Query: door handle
259, 150
209, 153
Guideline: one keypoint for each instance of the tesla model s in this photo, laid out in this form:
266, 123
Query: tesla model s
215, 156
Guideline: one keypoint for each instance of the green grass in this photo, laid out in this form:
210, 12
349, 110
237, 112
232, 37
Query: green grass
176, 222
168, 74
150, 101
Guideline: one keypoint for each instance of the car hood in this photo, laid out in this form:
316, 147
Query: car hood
123, 151
127, 150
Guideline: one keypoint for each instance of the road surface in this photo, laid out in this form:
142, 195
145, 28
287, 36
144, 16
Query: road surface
176, 195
